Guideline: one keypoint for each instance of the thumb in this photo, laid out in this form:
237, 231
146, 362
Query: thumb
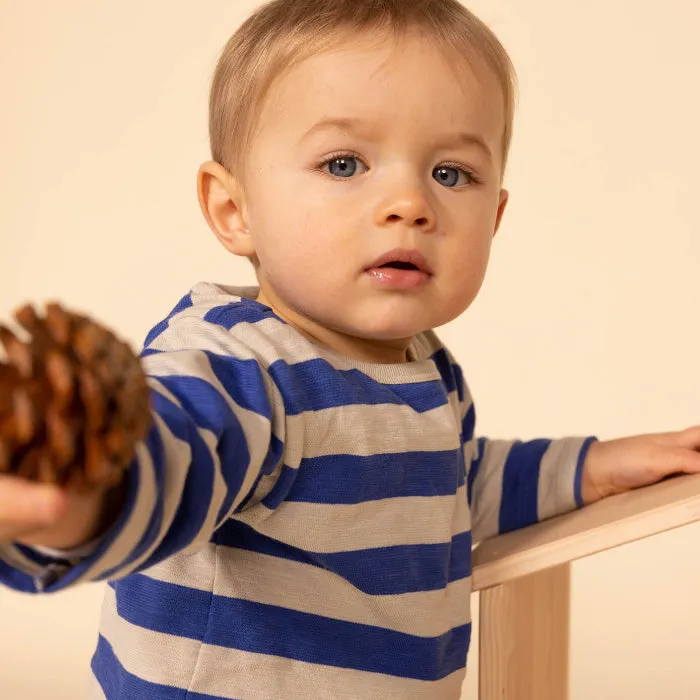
25, 505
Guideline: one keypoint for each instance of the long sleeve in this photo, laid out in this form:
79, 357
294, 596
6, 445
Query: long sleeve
512, 483
216, 413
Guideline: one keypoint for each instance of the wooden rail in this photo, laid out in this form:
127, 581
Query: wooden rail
524, 579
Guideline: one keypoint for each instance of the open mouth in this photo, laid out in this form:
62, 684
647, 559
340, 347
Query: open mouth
401, 263
397, 265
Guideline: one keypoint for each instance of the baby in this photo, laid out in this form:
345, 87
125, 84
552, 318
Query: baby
299, 521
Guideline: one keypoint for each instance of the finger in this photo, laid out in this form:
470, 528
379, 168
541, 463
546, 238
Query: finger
679, 461
25, 505
688, 438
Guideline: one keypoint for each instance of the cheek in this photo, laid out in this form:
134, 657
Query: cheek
290, 250
468, 264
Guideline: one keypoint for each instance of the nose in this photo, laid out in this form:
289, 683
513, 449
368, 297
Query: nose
409, 206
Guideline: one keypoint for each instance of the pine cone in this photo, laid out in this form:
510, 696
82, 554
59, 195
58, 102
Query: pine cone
73, 401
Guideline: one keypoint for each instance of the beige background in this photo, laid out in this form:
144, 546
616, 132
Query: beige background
588, 321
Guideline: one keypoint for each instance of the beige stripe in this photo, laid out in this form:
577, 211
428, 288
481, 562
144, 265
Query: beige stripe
12, 556
375, 429
178, 458
219, 294
488, 489
262, 677
205, 297
274, 340
195, 363
365, 430
256, 429
152, 656
155, 384
252, 471
192, 334
323, 527
557, 475
166, 659
453, 400
272, 581
134, 528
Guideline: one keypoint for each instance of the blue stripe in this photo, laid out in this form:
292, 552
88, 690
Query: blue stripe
272, 461
197, 490
446, 369
356, 479
199, 399
38, 558
579, 470
15, 579
159, 328
210, 410
118, 684
105, 543
241, 379
244, 311
281, 488
459, 380
468, 424
376, 571
314, 385
474, 469
521, 476
270, 629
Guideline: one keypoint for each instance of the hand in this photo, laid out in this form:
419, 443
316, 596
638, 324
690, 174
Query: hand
42, 514
27, 508
616, 466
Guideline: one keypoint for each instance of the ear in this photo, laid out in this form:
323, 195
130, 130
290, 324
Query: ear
503, 202
223, 205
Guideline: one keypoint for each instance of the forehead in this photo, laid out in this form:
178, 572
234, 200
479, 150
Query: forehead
409, 85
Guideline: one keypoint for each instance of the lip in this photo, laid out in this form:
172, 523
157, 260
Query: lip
404, 255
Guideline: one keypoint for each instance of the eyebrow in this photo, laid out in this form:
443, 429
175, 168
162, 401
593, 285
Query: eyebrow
363, 127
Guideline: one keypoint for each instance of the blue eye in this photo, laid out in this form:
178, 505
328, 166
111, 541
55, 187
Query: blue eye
444, 175
343, 166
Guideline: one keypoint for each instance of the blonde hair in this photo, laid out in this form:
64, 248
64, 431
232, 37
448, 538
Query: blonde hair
283, 33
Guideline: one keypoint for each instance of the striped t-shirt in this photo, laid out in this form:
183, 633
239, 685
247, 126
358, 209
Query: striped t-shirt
299, 524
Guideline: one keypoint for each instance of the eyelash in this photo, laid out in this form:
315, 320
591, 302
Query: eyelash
471, 176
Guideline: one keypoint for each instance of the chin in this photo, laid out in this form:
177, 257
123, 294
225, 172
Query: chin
394, 329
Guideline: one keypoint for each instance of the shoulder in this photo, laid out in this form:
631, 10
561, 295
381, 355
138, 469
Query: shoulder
214, 318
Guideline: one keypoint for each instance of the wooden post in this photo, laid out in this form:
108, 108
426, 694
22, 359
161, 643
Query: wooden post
524, 638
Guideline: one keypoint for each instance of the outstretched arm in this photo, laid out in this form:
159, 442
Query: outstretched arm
213, 411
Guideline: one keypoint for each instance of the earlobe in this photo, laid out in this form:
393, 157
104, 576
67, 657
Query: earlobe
222, 204
503, 202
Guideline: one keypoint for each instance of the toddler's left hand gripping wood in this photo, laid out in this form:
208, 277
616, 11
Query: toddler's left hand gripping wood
73, 401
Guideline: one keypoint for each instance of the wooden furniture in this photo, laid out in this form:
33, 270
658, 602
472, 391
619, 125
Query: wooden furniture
524, 581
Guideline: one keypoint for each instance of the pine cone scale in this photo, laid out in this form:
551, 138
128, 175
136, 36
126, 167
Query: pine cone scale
74, 401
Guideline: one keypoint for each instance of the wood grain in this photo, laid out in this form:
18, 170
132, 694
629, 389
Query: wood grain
609, 523
524, 638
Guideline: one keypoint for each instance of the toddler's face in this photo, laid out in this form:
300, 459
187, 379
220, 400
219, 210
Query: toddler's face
371, 151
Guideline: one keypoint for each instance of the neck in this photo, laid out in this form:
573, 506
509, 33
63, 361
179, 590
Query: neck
363, 349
